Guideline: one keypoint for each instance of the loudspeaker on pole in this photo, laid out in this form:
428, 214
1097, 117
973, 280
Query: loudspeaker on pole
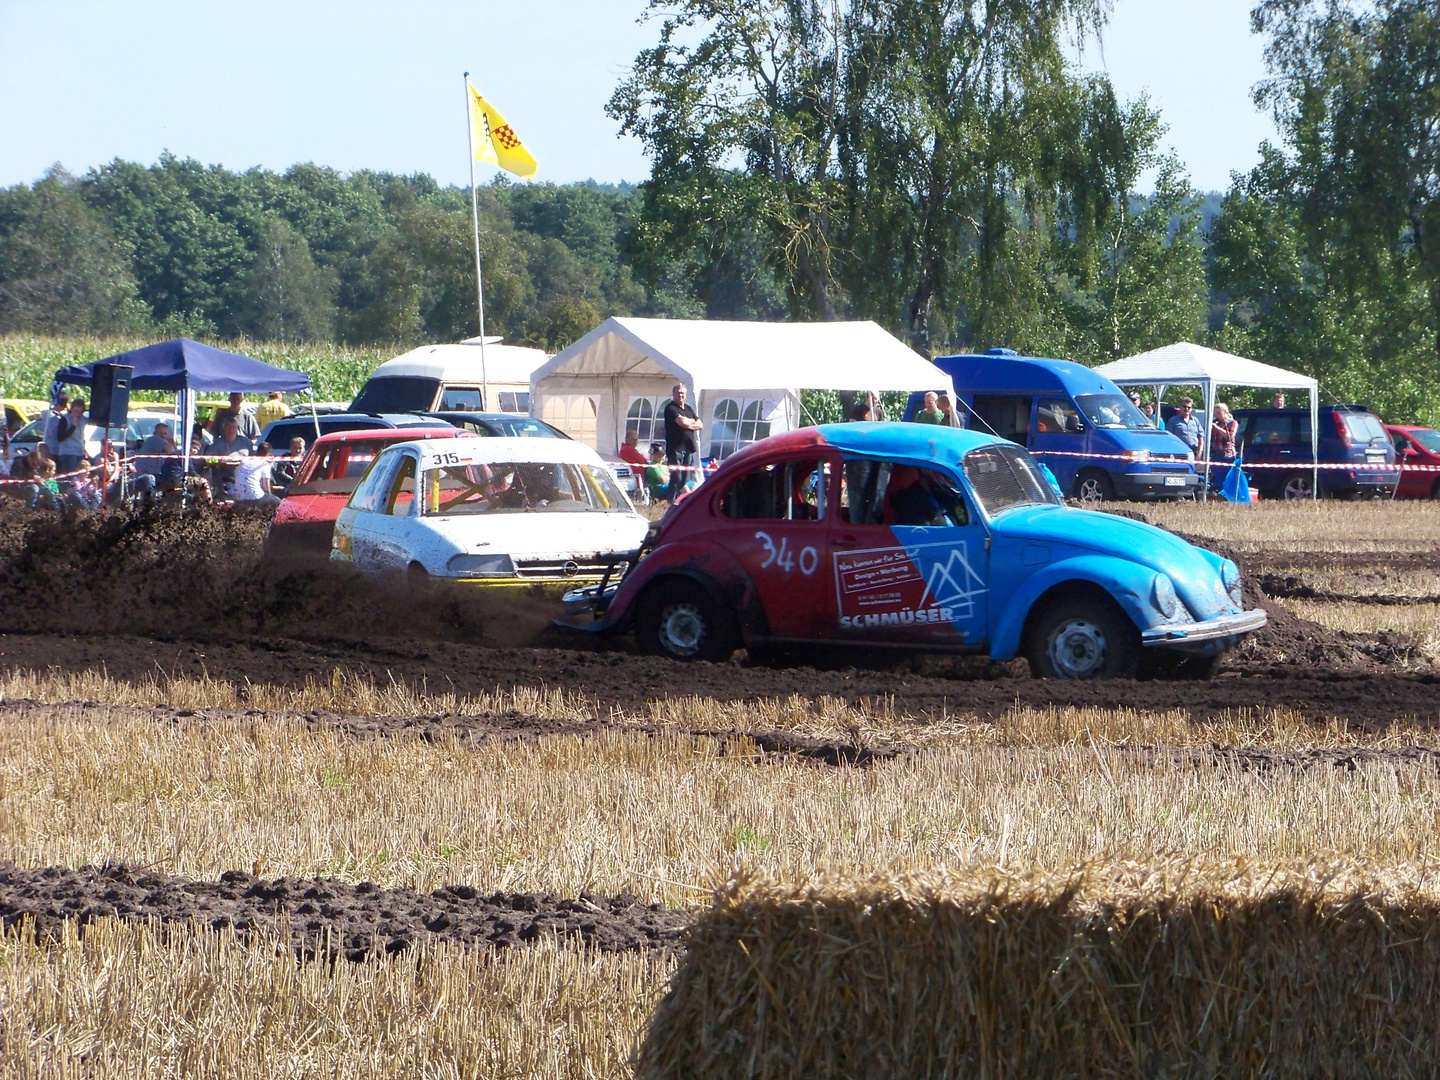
110, 395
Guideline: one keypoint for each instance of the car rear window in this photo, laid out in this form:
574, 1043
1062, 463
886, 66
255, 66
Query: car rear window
396, 394
1364, 427
1005, 477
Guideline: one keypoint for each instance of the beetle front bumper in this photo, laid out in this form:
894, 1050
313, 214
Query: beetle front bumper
1223, 626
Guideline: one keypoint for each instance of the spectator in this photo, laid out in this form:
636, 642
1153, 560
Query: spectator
198, 431
1148, 411
174, 477
230, 444
282, 473
271, 409
244, 419
657, 476
930, 412
1222, 434
58, 408
252, 479
947, 411
861, 412
46, 489
1186, 426
631, 452
98, 488
682, 448
150, 461
1278, 401
70, 438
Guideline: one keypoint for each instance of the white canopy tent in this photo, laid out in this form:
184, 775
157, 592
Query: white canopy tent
1186, 364
743, 378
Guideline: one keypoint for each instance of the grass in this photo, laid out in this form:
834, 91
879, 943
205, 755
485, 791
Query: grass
139, 1001
1324, 526
336, 371
662, 817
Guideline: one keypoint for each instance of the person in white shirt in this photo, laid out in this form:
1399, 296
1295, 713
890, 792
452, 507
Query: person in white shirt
252, 479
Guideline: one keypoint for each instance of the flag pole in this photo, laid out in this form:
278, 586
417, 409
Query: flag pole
475, 220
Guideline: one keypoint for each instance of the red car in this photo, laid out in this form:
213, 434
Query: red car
1416, 446
304, 522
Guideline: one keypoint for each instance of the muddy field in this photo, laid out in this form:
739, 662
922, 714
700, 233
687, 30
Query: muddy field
145, 597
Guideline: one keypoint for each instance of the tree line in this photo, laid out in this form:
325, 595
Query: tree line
936, 165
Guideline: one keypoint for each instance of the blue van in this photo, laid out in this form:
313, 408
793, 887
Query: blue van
1078, 422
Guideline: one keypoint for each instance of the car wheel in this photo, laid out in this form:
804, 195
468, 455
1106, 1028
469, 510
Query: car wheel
679, 620
1298, 486
1435, 490
1094, 486
1083, 638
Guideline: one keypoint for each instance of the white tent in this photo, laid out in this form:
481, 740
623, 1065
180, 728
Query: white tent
1184, 364
743, 378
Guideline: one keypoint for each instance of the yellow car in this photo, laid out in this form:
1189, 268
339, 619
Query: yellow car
20, 411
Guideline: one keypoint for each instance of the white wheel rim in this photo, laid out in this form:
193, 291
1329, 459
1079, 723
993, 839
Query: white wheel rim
1091, 491
1297, 488
682, 629
1077, 649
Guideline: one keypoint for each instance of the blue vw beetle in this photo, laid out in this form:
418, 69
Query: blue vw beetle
924, 538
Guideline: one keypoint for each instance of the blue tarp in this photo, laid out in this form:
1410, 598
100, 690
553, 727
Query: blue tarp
183, 364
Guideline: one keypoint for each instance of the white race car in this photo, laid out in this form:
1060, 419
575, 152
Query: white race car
497, 511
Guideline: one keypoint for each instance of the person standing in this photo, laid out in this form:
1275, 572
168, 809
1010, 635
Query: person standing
1222, 434
682, 445
930, 412
271, 409
58, 408
70, 439
244, 419
1278, 401
1186, 426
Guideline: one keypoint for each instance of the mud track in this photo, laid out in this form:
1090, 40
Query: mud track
324, 916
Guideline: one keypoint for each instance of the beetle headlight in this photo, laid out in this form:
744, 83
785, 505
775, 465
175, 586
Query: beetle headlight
481, 565
1230, 578
1166, 602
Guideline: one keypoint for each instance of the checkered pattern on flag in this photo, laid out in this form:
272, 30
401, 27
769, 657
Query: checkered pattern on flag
495, 141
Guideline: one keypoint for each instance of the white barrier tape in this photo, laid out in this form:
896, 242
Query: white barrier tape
45, 480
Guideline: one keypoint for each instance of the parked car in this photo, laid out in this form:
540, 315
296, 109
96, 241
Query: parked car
449, 378
304, 522
20, 411
1075, 420
278, 433
496, 511
920, 538
1416, 446
1350, 436
505, 425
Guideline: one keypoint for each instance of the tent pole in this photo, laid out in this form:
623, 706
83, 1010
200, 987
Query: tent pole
475, 221
1315, 443
1209, 392
313, 414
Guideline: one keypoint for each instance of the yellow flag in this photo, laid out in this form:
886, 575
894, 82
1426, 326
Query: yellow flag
495, 141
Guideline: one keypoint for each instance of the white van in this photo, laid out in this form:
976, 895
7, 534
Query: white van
447, 378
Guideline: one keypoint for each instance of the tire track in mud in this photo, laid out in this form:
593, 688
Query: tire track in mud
331, 918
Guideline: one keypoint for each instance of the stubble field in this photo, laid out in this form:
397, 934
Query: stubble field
280, 827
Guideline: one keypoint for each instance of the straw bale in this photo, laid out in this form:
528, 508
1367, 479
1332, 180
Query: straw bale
1170, 970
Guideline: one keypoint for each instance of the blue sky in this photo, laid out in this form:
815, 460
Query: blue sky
376, 85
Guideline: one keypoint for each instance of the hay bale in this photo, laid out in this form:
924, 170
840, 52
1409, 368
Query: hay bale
1121, 971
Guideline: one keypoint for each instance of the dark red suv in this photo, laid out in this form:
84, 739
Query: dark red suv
1418, 449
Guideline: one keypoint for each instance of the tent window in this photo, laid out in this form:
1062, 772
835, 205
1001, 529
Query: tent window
574, 414
738, 423
647, 417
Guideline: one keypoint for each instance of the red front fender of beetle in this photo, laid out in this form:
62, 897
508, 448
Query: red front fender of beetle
707, 564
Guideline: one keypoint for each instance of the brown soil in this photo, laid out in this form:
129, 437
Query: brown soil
153, 594
324, 915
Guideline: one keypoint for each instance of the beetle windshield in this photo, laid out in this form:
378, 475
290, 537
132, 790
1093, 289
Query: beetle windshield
521, 486
1004, 476
1111, 411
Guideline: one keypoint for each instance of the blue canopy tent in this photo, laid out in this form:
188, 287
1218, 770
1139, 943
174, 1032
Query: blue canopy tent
185, 368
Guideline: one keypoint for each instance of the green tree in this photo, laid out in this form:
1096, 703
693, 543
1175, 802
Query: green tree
285, 296
61, 268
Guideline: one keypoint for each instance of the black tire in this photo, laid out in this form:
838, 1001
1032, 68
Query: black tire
1083, 637
1297, 486
679, 620
1094, 485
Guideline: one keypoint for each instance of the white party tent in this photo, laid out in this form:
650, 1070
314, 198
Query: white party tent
743, 378
1186, 364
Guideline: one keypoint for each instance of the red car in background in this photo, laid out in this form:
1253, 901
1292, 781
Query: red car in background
304, 522
1416, 446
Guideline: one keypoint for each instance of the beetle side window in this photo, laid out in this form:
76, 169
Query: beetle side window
893, 493
782, 491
